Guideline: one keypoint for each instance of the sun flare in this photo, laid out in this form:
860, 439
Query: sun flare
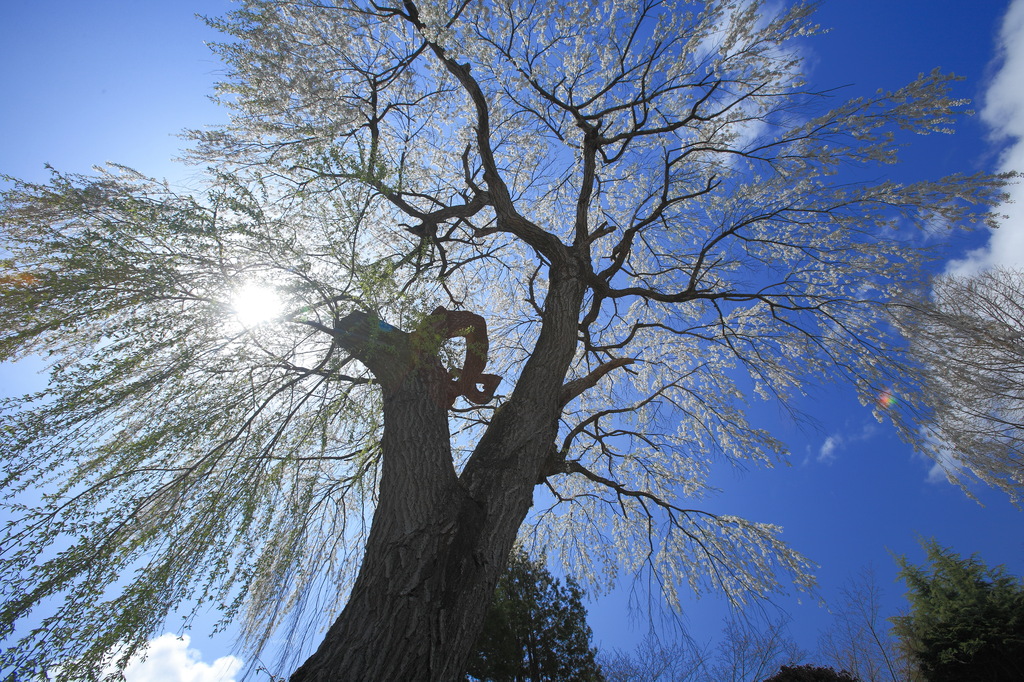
255, 304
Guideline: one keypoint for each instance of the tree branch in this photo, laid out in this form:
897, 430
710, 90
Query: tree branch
577, 386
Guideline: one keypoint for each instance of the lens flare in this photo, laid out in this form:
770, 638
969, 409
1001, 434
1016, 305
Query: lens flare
886, 399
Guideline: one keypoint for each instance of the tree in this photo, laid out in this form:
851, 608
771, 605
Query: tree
968, 335
810, 673
535, 629
859, 640
654, 661
650, 211
747, 651
966, 621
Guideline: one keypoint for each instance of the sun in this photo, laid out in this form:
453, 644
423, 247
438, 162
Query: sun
254, 304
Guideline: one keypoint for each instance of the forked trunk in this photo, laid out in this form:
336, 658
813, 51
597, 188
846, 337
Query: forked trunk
439, 541
429, 570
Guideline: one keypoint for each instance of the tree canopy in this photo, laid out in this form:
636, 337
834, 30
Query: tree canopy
968, 335
536, 629
810, 673
966, 620
652, 219
749, 649
860, 640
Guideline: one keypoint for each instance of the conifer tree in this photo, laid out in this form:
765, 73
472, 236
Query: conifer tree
536, 629
966, 620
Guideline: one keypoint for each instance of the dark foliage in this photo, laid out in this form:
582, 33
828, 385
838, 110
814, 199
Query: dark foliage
810, 673
536, 629
966, 620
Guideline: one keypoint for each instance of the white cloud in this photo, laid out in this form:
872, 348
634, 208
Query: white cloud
1003, 111
170, 659
1004, 99
937, 474
827, 453
944, 464
839, 441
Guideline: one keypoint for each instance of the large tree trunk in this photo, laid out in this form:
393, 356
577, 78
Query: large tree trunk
439, 541
421, 569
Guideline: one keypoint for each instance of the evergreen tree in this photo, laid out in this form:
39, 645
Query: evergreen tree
536, 629
966, 621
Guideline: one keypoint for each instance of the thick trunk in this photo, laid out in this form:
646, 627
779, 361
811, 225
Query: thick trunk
439, 542
419, 561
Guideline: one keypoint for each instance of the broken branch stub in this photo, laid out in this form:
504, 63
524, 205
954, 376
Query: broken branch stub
391, 354
471, 382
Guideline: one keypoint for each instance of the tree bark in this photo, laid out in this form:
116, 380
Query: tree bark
439, 541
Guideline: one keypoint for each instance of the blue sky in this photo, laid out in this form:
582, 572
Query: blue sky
85, 83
